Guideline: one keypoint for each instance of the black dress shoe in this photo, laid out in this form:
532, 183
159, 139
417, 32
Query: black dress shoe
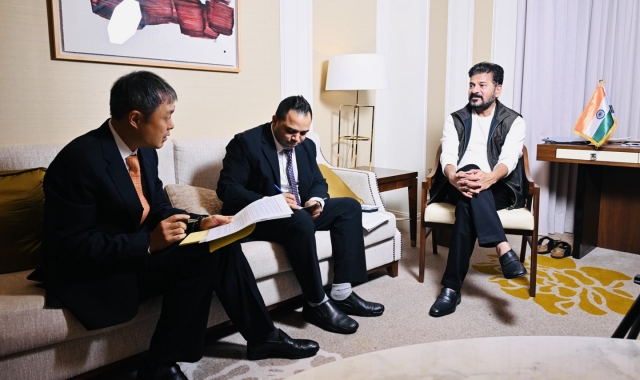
161, 372
511, 266
354, 305
282, 347
445, 303
328, 317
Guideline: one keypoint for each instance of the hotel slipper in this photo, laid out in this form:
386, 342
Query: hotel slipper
562, 249
544, 248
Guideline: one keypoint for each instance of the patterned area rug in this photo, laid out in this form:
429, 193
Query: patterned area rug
240, 368
585, 297
564, 284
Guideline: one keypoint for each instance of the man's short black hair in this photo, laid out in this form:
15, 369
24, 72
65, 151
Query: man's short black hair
297, 103
142, 91
488, 67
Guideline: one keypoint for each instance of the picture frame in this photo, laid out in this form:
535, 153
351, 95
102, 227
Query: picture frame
183, 34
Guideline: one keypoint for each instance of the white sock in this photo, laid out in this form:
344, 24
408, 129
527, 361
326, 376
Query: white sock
313, 304
340, 291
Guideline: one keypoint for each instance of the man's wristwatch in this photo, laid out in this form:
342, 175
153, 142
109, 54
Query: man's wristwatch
195, 226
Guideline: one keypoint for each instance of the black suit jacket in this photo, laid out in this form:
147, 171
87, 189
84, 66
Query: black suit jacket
93, 244
250, 169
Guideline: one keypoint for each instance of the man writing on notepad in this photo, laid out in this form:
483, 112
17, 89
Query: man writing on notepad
276, 158
111, 240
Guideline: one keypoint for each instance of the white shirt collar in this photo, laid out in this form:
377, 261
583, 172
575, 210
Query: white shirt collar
122, 147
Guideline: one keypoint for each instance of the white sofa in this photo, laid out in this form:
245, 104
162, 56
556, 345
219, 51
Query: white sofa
43, 343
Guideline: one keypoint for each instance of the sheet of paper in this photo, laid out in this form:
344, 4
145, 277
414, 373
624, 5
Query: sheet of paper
267, 208
565, 140
371, 220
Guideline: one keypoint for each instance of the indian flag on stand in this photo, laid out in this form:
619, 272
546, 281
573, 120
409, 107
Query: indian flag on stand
597, 122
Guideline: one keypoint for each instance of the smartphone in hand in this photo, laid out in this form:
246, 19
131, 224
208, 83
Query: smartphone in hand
311, 207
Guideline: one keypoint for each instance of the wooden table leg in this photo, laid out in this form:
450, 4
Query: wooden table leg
413, 209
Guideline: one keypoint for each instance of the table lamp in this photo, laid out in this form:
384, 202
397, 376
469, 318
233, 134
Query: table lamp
356, 72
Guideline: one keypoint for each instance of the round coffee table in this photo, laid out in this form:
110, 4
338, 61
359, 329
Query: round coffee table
514, 357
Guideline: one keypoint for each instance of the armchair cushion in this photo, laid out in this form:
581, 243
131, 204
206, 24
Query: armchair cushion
517, 219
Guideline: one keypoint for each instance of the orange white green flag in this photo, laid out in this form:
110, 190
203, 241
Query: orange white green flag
597, 122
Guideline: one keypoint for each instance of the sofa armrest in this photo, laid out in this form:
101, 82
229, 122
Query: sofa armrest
362, 183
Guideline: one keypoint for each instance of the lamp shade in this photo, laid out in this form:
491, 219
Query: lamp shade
357, 72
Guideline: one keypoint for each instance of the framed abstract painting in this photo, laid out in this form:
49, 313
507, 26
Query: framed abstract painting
186, 34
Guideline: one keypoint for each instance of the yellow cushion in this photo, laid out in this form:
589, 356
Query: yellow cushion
21, 209
337, 188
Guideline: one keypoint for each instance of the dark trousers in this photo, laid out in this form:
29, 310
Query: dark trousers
342, 217
186, 277
476, 217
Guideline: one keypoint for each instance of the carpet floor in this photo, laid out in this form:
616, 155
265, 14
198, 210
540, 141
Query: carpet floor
586, 297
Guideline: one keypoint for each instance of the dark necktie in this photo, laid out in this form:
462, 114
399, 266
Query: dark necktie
134, 172
291, 177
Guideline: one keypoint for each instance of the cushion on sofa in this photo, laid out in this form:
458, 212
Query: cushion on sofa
21, 209
337, 188
196, 200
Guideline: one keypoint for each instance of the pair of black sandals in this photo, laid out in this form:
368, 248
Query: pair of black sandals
557, 249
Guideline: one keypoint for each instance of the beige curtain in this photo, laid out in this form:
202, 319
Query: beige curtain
564, 48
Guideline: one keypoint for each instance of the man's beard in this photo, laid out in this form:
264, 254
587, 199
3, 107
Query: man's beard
482, 106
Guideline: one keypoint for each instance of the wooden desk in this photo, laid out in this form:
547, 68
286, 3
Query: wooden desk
607, 210
391, 179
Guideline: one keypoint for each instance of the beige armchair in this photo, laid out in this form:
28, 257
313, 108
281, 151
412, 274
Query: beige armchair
522, 221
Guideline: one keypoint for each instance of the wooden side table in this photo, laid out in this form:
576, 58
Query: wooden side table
392, 179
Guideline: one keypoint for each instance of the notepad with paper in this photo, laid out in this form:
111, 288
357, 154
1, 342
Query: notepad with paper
372, 220
243, 223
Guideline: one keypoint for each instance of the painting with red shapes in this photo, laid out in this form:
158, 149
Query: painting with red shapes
191, 34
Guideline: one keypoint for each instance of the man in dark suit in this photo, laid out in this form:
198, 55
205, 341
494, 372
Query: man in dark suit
111, 240
276, 158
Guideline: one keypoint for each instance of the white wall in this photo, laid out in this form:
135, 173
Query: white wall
401, 110
296, 49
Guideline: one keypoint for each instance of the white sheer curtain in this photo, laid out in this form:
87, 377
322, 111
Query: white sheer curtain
564, 47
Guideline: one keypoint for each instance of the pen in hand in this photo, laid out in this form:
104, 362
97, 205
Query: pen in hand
282, 192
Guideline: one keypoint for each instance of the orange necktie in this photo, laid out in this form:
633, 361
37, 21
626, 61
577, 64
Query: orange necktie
134, 172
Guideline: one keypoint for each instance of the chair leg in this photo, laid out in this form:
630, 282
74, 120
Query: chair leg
523, 249
633, 333
392, 269
534, 262
434, 241
629, 321
423, 246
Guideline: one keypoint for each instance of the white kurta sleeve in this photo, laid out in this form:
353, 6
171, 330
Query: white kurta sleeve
450, 144
512, 148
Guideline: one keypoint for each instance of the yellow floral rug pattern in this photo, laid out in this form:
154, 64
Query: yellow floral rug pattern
563, 285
